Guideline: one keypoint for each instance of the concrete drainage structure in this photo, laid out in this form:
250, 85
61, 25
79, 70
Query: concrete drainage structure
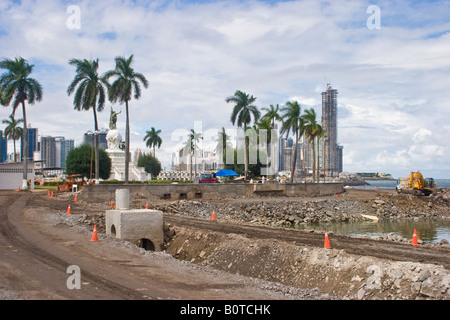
143, 227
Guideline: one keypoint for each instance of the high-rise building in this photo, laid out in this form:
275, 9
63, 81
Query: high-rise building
281, 155
32, 137
70, 144
136, 155
3, 147
48, 151
332, 151
54, 151
101, 138
63, 147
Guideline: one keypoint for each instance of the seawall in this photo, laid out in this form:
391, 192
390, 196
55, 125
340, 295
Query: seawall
102, 192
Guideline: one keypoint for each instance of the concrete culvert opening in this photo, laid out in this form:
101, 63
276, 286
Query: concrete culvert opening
146, 244
113, 230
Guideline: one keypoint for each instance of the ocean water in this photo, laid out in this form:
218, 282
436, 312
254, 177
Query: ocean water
429, 230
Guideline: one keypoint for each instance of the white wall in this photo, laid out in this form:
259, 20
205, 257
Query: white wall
11, 175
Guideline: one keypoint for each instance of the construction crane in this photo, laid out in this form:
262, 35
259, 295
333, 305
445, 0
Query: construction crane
416, 184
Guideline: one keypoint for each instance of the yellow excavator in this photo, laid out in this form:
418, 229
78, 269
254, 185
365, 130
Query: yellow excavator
416, 184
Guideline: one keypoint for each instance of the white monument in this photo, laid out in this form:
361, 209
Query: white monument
117, 155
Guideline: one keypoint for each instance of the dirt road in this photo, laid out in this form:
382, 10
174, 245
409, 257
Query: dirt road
35, 256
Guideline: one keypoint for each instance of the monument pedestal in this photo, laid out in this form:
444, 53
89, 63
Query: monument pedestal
114, 138
117, 164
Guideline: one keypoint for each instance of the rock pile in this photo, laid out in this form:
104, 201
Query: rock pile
275, 213
408, 206
441, 197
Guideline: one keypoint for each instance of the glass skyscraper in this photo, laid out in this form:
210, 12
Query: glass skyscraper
32, 135
3, 147
333, 151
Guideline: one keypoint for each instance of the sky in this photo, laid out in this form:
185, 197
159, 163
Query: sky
390, 64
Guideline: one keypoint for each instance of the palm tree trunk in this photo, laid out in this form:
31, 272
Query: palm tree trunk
314, 160
245, 150
97, 152
15, 155
324, 160
127, 143
224, 148
304, 160
318, 162
190, 167
294, 157
195, 160
267, 159
25, 148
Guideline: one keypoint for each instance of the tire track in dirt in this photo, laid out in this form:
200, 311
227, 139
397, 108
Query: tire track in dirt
9, 222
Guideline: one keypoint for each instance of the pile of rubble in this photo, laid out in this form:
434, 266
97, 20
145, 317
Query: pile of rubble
274, 213
406, 206
441, 197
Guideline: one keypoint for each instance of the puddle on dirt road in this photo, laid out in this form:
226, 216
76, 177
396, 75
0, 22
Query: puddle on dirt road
427, 230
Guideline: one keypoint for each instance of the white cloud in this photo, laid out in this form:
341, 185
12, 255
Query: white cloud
391, 81
421, 135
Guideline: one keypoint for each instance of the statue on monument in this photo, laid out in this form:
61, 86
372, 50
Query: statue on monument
113, 119
117, 154
113, 138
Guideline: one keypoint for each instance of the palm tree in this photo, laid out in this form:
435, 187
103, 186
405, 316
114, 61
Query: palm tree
312, 131
12, 131
152, 139
190, 148
265, 124
242, 114
17, 87
292, 121
272, 114
223, 143
90, 93
127, 84
322, 134
193, 139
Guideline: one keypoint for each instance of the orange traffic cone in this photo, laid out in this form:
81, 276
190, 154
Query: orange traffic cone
414, 239
327, 242
18, 189
213, 217
94, 234
76, 198
146, 206
52, 196
112, 204
68, 210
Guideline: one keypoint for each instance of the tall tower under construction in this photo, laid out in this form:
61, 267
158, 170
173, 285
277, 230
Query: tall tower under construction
333, 151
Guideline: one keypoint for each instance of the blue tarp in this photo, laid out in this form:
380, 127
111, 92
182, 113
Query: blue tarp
226, 173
